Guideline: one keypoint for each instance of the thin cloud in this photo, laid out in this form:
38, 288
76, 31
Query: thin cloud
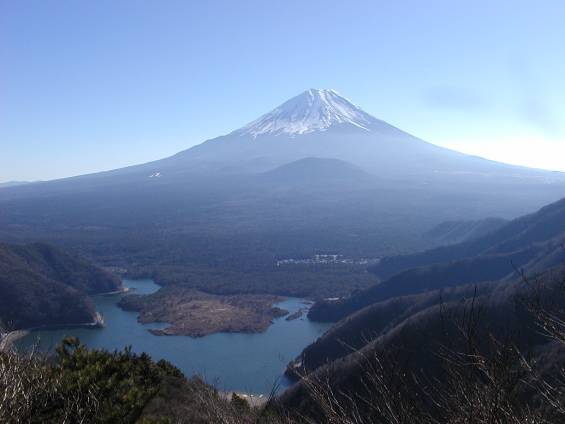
534, 104
455, 99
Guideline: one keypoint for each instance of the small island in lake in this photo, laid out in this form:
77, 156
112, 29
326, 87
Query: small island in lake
295, 315
194, 313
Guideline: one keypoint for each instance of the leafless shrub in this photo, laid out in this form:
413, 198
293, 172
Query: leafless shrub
384, 395
30, 387
547, 307
234, 409
484, 383
483, 378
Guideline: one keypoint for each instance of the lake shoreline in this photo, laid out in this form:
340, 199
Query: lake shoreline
123, 290
261, 358
8, 339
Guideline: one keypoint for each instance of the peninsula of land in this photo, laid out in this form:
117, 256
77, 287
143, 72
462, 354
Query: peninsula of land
194, 313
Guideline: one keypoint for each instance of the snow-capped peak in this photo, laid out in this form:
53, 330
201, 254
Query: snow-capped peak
313, 110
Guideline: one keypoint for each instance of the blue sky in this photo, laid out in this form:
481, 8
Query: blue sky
94, 85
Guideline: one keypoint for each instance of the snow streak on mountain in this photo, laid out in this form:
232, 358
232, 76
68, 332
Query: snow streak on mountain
313, 110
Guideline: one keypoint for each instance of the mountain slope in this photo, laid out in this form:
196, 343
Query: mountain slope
541, 226
316, 171
41, 285
451, 232
360, 328
13, 184
346, 183
321, 123
414, 335
397, 310
531, 243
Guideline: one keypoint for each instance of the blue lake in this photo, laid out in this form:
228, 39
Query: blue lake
251, 363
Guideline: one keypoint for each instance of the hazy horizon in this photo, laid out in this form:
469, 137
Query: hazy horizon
90, 87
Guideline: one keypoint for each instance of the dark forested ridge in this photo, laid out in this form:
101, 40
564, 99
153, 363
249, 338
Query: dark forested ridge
485, 291
451, 232
539, 227
412, 341
42, 285
532, 243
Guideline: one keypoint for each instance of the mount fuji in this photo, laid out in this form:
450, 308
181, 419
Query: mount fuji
317, 173
320, 123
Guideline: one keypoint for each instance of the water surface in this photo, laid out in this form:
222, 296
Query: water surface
242, 362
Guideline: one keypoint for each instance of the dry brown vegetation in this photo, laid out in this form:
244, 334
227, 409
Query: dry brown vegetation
194, 313
487, 379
